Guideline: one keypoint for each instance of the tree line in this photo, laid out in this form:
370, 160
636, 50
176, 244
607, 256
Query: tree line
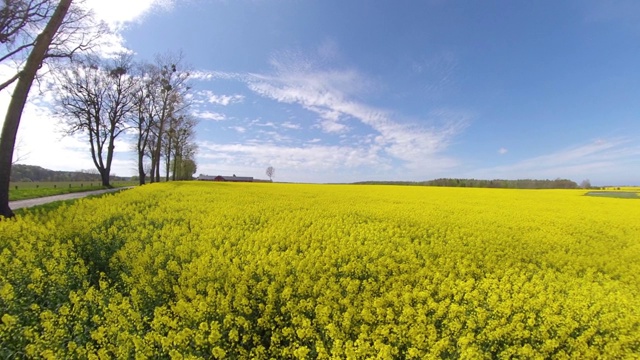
28, 173
506, 184
102, 99
496, 183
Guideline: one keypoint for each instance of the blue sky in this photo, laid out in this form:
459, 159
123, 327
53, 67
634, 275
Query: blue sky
342, 91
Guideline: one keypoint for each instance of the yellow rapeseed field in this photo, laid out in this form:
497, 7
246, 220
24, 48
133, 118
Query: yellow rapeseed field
216, 270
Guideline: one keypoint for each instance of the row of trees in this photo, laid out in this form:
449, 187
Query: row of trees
102, 99
27, 173
148, 102
507, 184
476, 183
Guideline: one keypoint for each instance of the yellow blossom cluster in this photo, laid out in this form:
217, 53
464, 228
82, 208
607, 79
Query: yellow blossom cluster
217, 270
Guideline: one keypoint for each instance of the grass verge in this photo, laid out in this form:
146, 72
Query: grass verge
25, 193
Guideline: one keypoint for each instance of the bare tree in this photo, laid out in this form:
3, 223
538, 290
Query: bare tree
271, 172
39, 52
145, 100
21, 22
171, 103
97, 99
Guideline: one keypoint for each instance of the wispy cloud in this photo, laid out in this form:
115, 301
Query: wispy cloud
207, 75
415, 147
502, 151
290, 125
600, 159
331, 93
313, 157
437, 73
260, 123
209, 115
224, 100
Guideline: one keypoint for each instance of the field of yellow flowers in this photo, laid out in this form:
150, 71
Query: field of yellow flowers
215, 270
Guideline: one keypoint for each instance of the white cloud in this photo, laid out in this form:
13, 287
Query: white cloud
239, 129
206, 75
118, 13
311, 157
290, 125
207, 96
329, 126
225, 100
209, 115
275, 137
266, 124
614, 159
503, 151
328, 93
42, 142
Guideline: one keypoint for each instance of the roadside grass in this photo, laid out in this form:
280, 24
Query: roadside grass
32, 190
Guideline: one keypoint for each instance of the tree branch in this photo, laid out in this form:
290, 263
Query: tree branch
10, 81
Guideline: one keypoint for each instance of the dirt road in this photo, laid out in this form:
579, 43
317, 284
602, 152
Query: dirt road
45, 200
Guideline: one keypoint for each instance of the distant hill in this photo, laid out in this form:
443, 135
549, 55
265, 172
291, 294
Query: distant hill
497, 183
21, 172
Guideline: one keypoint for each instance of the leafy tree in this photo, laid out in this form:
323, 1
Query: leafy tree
184, 169
181, 146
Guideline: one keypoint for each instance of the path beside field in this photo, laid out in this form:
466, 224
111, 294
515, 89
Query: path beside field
19, 204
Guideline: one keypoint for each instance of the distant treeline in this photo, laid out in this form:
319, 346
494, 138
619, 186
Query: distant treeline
498, 183
27, 173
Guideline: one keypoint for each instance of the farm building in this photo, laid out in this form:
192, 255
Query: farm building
233, 178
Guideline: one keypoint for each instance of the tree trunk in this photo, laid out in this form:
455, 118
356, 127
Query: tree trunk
19, 99
141, 174
107, 168
158, 169
104, 176
141, 147
168, 161
152, 171
175, 167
